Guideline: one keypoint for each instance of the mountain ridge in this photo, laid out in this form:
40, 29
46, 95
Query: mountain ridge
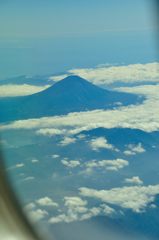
72, 94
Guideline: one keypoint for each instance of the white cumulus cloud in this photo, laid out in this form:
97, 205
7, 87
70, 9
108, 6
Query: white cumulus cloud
49, 132
37, 215
77, 210
136, 198
133, 149
55, 156
75, 203
70, 163
46, 202
19, 165
29, 206
109, 165
134, 180
67, 140
101, 142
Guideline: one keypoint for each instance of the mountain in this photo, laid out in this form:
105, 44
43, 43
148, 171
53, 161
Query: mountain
122, 136
72, 94
127, 227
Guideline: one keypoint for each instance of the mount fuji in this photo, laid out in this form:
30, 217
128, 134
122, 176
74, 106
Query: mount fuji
72, 94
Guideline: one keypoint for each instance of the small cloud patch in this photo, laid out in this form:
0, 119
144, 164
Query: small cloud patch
108, 165
133, 149
67, 141
134, 180
101, 143
71, 163
46, 202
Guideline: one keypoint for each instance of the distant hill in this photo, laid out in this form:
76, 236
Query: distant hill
72, 94
122, 136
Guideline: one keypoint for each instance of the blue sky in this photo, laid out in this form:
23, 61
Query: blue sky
40, 37
68, 18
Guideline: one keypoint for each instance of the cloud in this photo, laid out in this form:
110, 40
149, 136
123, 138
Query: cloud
55, 156
67, 140
50, 132
81, 136
134, 149
13, 90
88, 167
108, 211
75, 206
108, 165
129, 153
150, 91
46, 202
37, 215
136, 198
134, 180
77, 210
34, 160
72, 216
19, 165
61, 218
29, 206
34, 214
104, 75
93, 212
30, 178
58, 78
75, 203
103, 210
144, 116
101, 142
71, 163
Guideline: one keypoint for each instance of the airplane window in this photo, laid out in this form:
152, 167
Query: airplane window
79, 119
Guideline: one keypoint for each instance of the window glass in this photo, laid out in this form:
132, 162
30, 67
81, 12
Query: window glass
79, 115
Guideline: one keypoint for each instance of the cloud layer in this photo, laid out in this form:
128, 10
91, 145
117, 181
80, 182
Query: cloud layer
13, 90
144, 117
136, 198
100, 75
105, 75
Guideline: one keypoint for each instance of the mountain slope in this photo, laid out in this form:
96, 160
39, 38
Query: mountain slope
72, 94
122, 136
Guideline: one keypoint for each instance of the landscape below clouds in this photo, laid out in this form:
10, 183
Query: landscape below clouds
93, 160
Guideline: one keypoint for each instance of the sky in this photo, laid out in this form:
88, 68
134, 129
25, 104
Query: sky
43, 37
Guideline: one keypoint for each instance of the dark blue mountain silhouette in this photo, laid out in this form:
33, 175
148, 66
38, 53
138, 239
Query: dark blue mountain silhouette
72, 94
122, 136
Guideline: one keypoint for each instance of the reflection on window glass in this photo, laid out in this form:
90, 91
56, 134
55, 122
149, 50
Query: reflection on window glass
79, 116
